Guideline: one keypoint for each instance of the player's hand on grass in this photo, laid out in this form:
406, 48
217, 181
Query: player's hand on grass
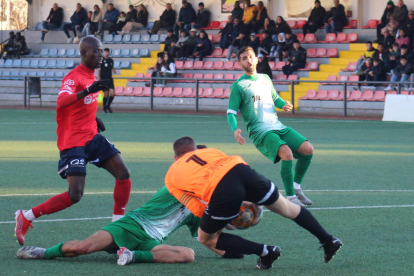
239, 138
97, 86
288, 107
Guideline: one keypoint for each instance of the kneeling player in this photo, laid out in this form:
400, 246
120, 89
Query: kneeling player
224, 182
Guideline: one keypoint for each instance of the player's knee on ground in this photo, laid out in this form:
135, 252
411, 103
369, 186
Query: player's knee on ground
186, 255
306, 148
285, 153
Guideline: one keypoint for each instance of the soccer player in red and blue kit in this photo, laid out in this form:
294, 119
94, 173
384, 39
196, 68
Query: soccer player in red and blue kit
79, 141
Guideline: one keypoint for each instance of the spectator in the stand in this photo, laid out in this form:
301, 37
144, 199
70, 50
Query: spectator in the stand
110, 18
392, 25
186, 16
78, 20
381, 53
167, 20
258, 20
338, 16
20, 45
254, 42
296, 59
169, 40
406, 53
175, 49
263, 66
403, 39
249, 13
53, 21
237, 28
9, 45
131, 16
202, 19
290, 39
168, 70
401, 12
239, 42
386, 39
225, 33
278, 48
237, 12
369, 53
156, 68
391, 59
265, 44
281, 27
363, 70
377, 72
408, 27
315, 19
140, 22
270, 26
188, 46
389, 9
92, 25
203, 46
401, 73
86, 28
116, 28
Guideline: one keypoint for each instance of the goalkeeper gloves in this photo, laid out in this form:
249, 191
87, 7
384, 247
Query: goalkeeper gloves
97, 86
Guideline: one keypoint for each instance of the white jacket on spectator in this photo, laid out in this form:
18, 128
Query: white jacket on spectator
172, 70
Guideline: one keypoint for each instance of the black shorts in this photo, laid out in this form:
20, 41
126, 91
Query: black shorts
241, 183
96, 151
111, 84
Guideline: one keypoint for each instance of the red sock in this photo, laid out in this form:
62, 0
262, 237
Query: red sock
122, 191
53, 205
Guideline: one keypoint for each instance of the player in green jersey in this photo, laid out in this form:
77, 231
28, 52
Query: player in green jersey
138, 236
254, 95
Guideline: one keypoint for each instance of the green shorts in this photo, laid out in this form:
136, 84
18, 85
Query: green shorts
271, 143
129, 233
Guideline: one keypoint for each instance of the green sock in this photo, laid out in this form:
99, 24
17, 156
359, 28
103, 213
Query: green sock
302, 167
286, 171
54, 252
143, 257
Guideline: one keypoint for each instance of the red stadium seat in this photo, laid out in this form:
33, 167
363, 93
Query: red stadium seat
218, 77
167, 92
355, 95
329, 38
237, 66
225, 53
309, 95
119, 90
311, 52
272, 65
300, 37
330, 78
198, 76
392, 93
213, 25
179, 64
405, 93
343, 78
260, 36
322, 94
157, 91
352, 25
340, 38
300, 24
341, 96
128, 90
372, 24
146, 92
332, 95
228, 65
310, 38
148, 75
188, 76
188, 65
208, 65
188, 92
226, 94
367, 96
238, 76
321, 52
281, 78
293, 78
218, 93
210, 37
311, 66
279, 65
208, 76
216, 39
352, 38
379, 96
332, 52
198, 65
207, 93
138, 75
217, 53
218, 65
229, 77
138, 90
350, 68
222, 25
179, 76
177, 92
291, 23
353, 78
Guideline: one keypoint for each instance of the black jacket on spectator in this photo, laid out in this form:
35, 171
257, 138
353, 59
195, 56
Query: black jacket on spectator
299, 55
168, 41
281, 28
263, 15
381, 56
239, 43
191, 41
282, 45
237, 13
338, 17
400, 69
187, 15
237, 29
271, 27
56, 17
142, 18
79, 18
264, 68
387, 42
203, 18
380, 70
227, 30
409, 56
254, 44
169, 17
22, 41
317, 16
401, 14
131, 16
266, 43
385, 18
206, 45
289, 42
408, 28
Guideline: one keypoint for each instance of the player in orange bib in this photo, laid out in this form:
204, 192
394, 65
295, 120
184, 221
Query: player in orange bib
213, 186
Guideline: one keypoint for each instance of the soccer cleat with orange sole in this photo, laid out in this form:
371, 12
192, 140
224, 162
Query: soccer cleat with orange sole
22, 225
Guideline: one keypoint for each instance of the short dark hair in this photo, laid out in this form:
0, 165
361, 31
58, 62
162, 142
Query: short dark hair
201, 146
288, 32
404, 46
201, 4
110, 4
376, 60
369, 42
183, 145
170, 30
380, 44
243, 50
403, 58
106, 50
131, 6
396, 44
203, 32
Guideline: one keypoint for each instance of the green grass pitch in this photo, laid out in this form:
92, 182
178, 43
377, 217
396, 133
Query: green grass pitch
357, 164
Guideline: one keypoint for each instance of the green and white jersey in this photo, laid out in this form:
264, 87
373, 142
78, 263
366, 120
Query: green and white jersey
163, 214
256, 97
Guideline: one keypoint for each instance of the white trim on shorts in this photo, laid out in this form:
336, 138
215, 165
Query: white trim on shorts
224, 218
272, 189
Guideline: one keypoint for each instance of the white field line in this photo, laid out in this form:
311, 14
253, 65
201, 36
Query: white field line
315, 208
153, 192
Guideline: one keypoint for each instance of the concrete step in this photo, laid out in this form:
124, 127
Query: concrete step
351, 54
341, 61
330, 68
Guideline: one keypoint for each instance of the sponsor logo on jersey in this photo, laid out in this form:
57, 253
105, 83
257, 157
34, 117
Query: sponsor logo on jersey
69, 82
88, 99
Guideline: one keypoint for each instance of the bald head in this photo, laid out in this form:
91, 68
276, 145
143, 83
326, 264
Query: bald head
91, 52
184, 145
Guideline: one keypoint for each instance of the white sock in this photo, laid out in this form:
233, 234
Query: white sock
29, 215
294, 196
116, 217
296, 185
265, 251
